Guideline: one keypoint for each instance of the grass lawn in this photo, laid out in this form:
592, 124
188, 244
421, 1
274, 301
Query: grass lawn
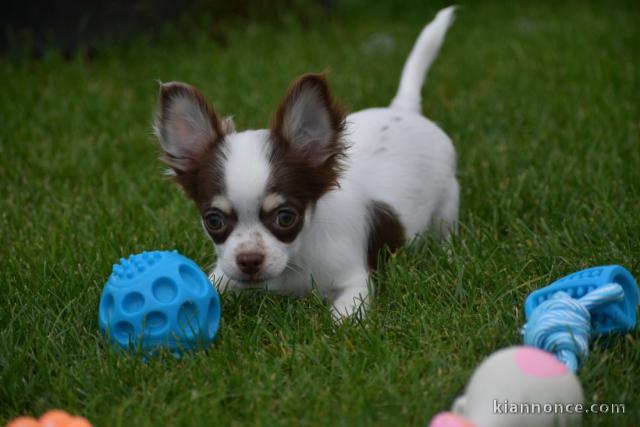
542, 101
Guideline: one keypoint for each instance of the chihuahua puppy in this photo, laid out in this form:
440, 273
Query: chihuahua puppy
311, 201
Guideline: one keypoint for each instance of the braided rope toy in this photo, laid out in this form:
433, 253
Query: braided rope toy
562, 325
562, 317
515, 386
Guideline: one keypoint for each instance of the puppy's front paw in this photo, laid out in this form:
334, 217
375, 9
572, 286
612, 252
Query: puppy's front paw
221, 282
343, 312
350, 303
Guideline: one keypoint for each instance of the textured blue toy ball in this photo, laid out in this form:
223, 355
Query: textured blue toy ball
156, 300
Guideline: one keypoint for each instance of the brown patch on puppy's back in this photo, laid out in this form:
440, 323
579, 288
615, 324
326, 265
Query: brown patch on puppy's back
385, 230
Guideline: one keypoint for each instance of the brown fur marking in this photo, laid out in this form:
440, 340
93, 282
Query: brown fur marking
294, 172
385, 231
203, 178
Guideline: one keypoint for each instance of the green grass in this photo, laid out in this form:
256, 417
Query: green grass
542, 102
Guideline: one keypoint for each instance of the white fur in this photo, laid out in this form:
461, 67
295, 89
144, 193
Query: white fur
246, 172
396, 156
422, 55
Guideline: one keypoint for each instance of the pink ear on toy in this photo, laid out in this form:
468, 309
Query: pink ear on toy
538, 363
449, 419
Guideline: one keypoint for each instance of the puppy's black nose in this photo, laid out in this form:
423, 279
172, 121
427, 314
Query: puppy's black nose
250, 262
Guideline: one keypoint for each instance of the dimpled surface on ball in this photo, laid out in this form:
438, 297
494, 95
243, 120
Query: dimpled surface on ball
159, 299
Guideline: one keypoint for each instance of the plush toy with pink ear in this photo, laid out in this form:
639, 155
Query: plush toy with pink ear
517, 386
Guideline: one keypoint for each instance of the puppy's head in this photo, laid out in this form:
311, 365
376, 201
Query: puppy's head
254, 189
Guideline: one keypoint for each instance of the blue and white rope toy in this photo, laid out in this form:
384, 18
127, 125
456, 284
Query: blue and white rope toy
564, 316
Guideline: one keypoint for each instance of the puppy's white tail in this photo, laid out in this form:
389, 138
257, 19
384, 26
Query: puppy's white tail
422, 55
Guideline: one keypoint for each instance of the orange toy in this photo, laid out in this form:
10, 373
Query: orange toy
52, 418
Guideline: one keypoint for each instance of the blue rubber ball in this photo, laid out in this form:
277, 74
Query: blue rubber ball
156, 300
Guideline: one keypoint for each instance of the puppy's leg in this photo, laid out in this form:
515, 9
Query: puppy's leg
352, 296
445, 221
222, 282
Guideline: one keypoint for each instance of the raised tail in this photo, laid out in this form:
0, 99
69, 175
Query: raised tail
422, 55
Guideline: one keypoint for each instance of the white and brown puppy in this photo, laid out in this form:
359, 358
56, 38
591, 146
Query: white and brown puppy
310, 201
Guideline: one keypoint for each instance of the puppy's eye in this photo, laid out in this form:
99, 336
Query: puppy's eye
214, 221
286, 218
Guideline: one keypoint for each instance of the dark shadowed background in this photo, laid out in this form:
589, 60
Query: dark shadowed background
70, 26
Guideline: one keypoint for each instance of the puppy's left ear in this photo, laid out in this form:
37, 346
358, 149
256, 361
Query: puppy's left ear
309, 121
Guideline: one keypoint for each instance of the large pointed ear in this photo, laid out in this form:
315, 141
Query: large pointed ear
186, 126
309, 121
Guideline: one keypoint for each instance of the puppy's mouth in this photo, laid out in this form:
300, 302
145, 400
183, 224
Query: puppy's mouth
250, 279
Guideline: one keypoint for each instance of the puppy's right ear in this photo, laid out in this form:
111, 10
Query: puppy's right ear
186, 126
